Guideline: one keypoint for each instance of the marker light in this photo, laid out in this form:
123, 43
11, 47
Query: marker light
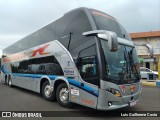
114, 92
109, 103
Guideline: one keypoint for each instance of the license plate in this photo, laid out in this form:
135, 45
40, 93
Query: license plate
132, 103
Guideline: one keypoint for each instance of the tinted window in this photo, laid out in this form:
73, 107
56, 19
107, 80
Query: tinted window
88, 66
106, 22
44, 65
76, 23
39, 37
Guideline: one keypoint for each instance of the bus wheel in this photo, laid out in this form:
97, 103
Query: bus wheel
10, 82
6, 80
62, 95
46, 92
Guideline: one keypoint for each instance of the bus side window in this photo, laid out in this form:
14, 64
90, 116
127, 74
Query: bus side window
88, 66
41, 69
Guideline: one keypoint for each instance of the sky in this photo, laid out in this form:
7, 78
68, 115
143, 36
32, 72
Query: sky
19, 18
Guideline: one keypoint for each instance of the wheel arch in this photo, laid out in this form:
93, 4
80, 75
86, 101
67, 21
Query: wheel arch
55, 84
42, 80
58, 81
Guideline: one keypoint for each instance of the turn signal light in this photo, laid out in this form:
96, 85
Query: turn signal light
118, 94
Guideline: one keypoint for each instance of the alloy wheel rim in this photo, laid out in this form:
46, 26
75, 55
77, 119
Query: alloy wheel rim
63, 94
10, 83
47, 91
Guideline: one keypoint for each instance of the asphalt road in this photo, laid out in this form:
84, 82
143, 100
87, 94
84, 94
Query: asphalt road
18, 99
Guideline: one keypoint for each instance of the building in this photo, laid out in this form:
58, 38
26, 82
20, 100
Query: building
152, 38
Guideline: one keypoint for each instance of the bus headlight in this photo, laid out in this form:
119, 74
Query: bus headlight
114, 92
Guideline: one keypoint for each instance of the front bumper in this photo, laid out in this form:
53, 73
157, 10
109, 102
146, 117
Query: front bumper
117, 102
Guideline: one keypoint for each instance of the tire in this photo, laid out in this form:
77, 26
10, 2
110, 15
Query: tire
63, 101
10, 82
6, 80
46, 92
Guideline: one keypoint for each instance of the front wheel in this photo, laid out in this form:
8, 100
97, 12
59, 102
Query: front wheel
62, 95
46, 92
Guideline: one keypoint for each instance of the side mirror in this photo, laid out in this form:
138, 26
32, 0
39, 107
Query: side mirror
150, 49
111, 37
112, 40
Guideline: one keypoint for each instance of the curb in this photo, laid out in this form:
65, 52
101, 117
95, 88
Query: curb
158, 83
153, 84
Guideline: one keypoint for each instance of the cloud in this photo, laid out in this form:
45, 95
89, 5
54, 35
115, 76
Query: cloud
22, 17
6, 40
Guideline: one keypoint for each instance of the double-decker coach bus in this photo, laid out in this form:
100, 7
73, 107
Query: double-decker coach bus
84, 57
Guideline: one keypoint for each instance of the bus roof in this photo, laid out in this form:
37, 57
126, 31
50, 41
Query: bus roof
75, 21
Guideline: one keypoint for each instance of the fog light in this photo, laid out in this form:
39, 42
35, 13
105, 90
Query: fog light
109, 103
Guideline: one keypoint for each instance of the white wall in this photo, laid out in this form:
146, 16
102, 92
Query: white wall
154, 41
0, 53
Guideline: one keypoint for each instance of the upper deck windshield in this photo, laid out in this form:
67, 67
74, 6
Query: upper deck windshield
107, 22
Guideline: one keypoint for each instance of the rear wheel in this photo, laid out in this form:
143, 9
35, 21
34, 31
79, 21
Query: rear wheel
62, 95
46, 92
6, 80
10, 82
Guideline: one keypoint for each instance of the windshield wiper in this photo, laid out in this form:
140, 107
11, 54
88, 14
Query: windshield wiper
125, 70
132, 63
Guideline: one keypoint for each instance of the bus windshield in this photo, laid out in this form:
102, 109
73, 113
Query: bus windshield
122, 64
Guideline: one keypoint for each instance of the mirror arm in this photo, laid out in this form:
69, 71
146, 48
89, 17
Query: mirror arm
107, 35
150, 48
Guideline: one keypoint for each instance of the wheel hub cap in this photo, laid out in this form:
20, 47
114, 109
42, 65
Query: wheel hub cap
64, 95
47, 91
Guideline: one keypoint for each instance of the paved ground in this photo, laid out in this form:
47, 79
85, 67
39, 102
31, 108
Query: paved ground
17, 99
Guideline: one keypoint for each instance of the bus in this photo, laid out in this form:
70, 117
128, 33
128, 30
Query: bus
85, 57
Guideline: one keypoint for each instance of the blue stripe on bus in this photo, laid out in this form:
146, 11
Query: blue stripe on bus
52, 77
5, 71
73, 82
86, 87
